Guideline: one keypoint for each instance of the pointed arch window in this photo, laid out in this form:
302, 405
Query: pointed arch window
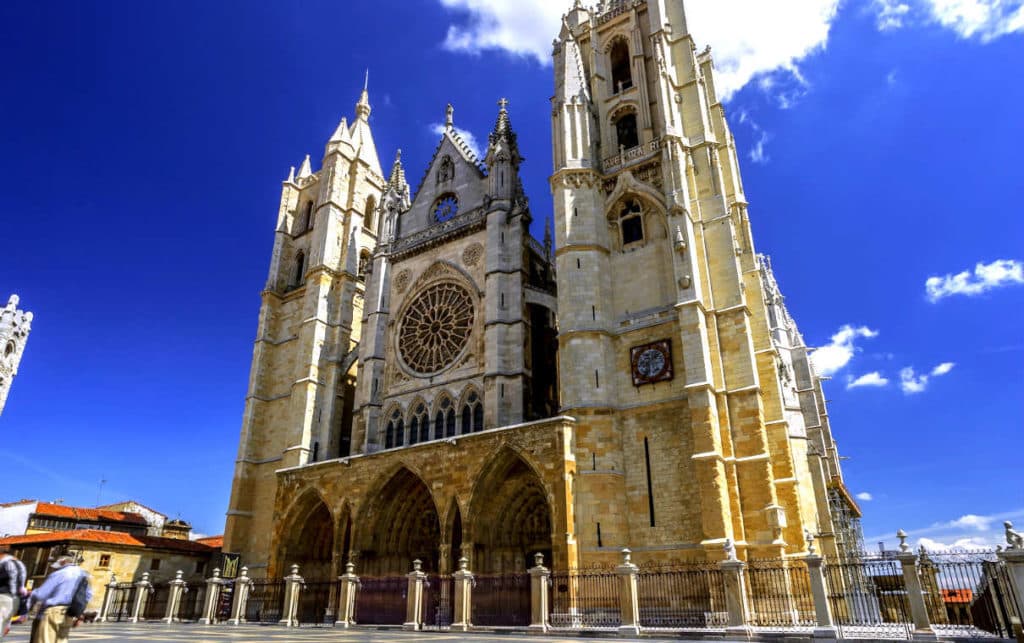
400, 433
622, 78
419, 427
631, 222
467, 420
625, 131
300, 269
439, 425
364, 265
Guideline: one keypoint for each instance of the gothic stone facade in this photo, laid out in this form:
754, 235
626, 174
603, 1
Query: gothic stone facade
410, 398
14, 329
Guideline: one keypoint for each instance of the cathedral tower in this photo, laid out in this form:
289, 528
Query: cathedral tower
14, 329
675, 354
301, 388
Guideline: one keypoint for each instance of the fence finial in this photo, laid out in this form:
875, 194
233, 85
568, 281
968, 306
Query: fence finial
809, 537
730, 549
902, 535
463, 564
538, 559
626, 556
216, 573
178, 574
417, 565
245, 572
350, 568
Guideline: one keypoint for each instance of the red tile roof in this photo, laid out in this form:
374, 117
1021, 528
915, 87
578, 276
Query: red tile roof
110, 538
82, 513
217, 542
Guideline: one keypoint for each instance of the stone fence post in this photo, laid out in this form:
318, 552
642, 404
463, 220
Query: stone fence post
414, 597
175, 589
292, 588
142, 589
463, 617
825, 626
212, 598
346, 611
108, 599
735, 593
629, 601
1013, 556
241, 597
540, 580
915, 594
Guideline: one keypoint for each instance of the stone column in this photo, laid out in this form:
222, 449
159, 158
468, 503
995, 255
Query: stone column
240, 598
825, 626
463, 616
292, 588
414, 599
349, 584
142, 589
915, 595
735, 594
629, 600
1013, 556
212, 598
175, 590
108, 599
540, 580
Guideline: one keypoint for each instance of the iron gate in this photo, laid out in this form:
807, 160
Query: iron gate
156, 603
317, 601
191, 603
437, 602
122, 601
266, 601
868, 598
501, 600
967, 593
381, 601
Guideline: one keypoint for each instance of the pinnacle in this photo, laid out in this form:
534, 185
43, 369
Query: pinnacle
503, 129
397, 179
341, 133
305, 170
363, 106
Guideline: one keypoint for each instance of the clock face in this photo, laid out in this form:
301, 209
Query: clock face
651, 362
446, 208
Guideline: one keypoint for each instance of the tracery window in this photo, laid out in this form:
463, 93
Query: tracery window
473, 414
622, 79
467, 420
631, 222
436, 327
419, 428
389, 433
446, 207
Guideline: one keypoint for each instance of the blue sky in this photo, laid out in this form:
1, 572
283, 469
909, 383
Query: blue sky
143, 148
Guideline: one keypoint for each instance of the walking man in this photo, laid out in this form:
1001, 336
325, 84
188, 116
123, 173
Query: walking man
12, 587
52, 624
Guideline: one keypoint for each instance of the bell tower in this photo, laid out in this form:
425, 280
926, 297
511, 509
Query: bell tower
667, 355
15, 326
302, 383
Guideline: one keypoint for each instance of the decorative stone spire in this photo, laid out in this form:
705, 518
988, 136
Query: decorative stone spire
547, 239
363, 106
502, 133
341, 133
305, 170
291, 175
449, 116
397, 179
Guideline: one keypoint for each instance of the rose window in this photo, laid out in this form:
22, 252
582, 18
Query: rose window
436, 328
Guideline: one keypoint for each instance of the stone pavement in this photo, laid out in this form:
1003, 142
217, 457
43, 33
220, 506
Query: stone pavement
260, 634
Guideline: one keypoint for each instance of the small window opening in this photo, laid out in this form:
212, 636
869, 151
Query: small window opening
599, 543
631, 222
368, 215
364, 265
625, 131
300, 268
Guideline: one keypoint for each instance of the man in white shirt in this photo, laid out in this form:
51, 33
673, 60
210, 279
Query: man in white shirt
52, 624
12, 588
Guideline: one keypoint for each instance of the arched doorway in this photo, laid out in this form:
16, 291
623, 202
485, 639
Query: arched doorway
309, 543
511, 517
402, 526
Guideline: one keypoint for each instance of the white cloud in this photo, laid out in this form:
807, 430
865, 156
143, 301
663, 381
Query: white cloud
749, 37
466, 135
984, 19
758, 153
868, 379
972, 521
1002, 272
942, 369
891, 13
967, 531
912, 383
959, 543
864, 496
837, 354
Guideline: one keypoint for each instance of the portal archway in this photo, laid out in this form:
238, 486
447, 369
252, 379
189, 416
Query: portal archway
402, 525
309, 543
511, 516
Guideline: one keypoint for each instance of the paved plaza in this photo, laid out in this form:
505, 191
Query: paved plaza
260, 634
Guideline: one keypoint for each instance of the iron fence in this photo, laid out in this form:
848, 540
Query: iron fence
501, 600
265, 602
122, 601
381, 601
438, 594
191, 603
317, 602
156, 603
967, 593
585, 599
779, 595
868, 598
681, 597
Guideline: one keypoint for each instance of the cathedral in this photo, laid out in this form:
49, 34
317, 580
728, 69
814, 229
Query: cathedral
15, 326
431, 382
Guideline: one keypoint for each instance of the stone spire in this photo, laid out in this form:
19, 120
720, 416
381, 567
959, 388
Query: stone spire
363, 106
397, 179
305, 171
341, 133
569, 72
503, 135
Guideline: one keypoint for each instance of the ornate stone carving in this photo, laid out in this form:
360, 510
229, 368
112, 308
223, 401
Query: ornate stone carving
402, 280
436, 327
472, 254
